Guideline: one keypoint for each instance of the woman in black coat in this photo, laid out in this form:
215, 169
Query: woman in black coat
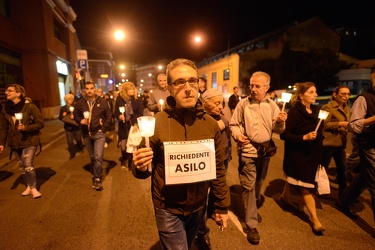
303, 148
133, 109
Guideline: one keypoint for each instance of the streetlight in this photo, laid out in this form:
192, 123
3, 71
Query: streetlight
119, 35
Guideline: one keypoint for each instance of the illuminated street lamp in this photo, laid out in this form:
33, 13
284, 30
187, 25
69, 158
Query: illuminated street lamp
119, 35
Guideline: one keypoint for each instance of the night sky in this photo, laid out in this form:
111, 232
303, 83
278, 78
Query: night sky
166, 28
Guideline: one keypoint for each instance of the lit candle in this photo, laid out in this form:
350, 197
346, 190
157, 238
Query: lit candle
322, 116
161, 102
285, 97
122, 111
86, 114
146, 125
71, 108
18, 116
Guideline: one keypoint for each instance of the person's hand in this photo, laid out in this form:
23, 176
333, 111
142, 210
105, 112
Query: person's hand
221, 124
310, 136
142, 158
221, 220
21, 127
71, 116
64, 113
281, 118
121, 117
1, 148
243, 140
84, 122
343, 124
158, 106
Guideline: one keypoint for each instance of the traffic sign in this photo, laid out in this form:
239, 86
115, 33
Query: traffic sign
82, 64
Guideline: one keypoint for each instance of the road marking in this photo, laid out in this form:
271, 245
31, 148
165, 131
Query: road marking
236, 222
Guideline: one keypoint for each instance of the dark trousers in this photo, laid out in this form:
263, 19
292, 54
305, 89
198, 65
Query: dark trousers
366, 179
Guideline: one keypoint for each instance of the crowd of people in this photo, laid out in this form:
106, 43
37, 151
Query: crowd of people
188, 118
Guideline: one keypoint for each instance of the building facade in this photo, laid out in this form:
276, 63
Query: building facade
312, 34
38, 51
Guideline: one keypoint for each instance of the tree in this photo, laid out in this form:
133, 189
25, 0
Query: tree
318, 66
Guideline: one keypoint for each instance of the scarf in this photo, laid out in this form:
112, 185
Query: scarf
129, 109
11, 108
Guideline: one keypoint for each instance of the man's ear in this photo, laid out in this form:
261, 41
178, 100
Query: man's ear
170, 90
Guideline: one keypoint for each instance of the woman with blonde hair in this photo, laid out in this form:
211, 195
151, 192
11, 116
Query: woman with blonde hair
133, 109
72, 128
303, 149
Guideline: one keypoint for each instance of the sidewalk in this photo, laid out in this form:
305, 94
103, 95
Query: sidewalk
52, 129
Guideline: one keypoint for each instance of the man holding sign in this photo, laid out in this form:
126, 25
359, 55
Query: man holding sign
186, 153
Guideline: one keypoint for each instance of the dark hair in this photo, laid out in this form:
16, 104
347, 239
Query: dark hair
301, 89
372, 70
337, 90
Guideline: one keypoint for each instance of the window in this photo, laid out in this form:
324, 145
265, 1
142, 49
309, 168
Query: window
226, 74
4, 8
214, 81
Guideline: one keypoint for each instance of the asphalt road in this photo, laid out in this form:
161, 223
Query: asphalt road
71, 215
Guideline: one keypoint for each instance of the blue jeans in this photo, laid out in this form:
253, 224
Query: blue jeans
70, 137
25, 157
177, 232
252, 173
95, 147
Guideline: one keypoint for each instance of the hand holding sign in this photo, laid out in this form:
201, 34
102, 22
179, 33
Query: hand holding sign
146, 126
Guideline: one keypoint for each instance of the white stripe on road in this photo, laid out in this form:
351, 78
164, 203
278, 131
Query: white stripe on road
236, 222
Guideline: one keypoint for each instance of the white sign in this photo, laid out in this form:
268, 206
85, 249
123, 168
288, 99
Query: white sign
81, 54
189, 161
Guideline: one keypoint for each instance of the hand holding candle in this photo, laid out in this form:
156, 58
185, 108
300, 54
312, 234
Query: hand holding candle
285, 97
322, 116
146, 126
71, 109
122, 111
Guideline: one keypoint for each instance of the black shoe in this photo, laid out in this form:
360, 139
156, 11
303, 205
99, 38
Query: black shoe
204, 242
72, 156
346, 210
253, 236
97, 184
259, 218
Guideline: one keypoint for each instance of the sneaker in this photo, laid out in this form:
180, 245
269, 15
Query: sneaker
125, 168
36, 194
27, 191
204, 242
97, 184
253, 236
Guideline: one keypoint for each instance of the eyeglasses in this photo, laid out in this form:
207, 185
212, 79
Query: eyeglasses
256, 86
344, 94
182, 82
9, 90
